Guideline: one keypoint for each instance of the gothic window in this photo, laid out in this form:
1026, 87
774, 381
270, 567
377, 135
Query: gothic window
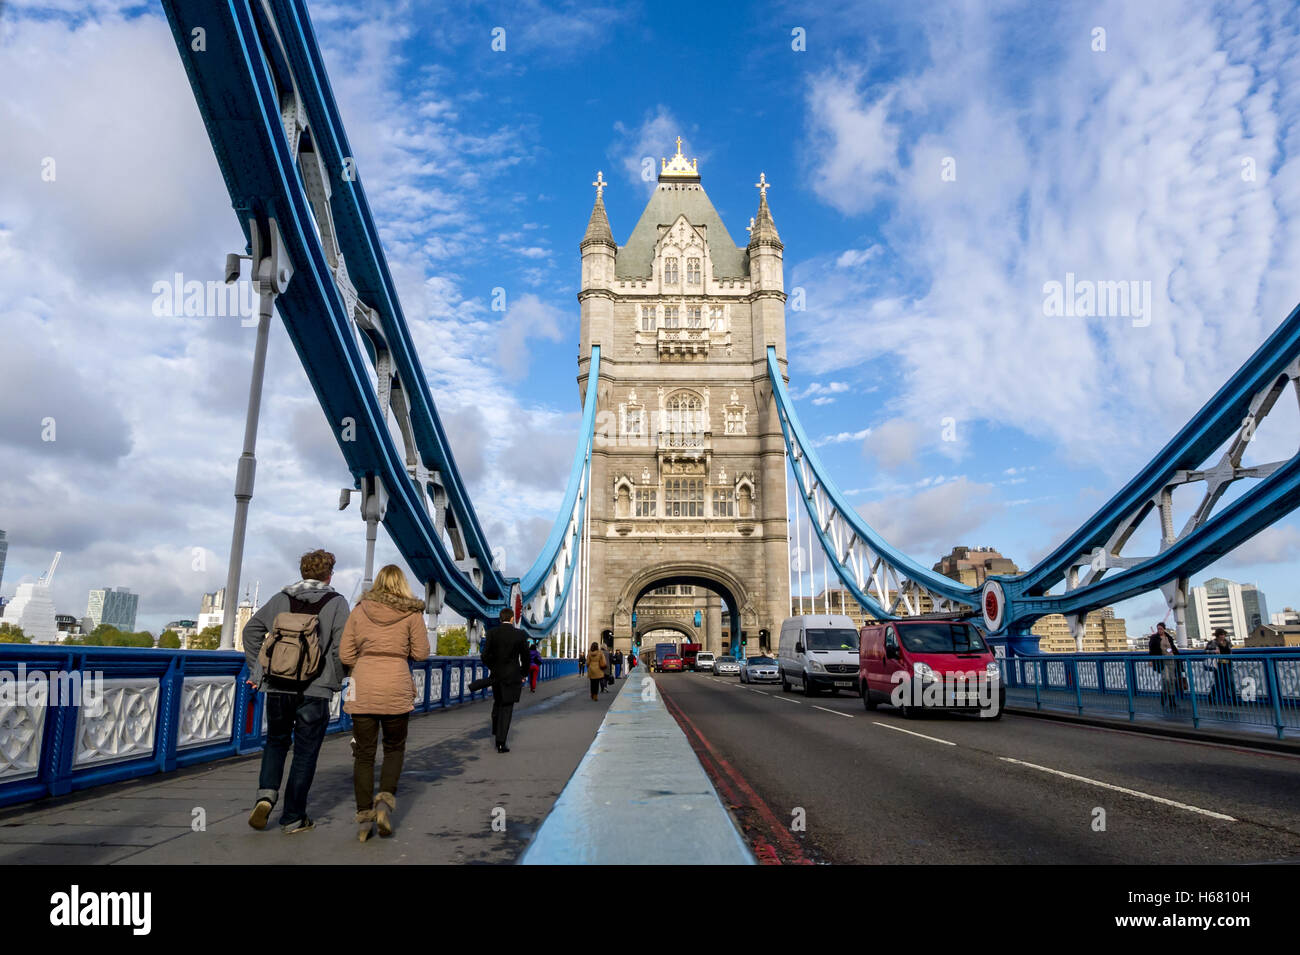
693, 317
635, 421
684, 497
645, 501
670, 270
670, 316
685, 420
736, 414
715, 320
724, 502
647, 318
693, 271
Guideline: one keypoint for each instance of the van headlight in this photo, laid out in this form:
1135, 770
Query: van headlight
816, 666
923, 672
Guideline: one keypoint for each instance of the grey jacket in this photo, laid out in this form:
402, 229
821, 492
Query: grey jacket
330, 634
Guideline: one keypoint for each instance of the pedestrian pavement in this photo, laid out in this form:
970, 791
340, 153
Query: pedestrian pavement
459, 801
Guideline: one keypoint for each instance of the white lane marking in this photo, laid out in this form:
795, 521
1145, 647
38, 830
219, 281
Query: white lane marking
775, 697
1120, 789
752, 690
899, 729
836, 712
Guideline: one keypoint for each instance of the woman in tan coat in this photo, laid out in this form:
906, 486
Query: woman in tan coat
383, 632
597, 667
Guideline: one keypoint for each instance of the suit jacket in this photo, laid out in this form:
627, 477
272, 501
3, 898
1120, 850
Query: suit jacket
505, 654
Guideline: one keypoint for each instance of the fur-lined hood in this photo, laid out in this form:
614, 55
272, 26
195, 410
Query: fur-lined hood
385, 608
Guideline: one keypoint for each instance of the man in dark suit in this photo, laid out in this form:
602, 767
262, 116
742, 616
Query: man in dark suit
505, 654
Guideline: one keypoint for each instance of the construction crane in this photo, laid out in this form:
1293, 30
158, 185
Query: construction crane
48, 576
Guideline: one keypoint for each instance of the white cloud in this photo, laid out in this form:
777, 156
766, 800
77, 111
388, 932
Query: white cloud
842, 437
927, 522
1118, 166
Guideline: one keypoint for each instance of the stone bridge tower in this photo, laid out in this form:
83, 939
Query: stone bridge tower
688, 467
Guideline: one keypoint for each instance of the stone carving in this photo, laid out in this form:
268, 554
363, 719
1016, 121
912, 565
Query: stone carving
120, 725
207, 710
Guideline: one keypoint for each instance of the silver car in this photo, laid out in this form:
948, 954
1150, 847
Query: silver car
726, 666
759, 670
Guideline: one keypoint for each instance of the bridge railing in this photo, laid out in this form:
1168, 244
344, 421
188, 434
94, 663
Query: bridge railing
1251, 691
76, 717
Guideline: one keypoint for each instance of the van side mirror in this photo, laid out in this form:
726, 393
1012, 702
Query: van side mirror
798, 648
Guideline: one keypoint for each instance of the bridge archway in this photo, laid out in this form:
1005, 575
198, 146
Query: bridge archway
710, 577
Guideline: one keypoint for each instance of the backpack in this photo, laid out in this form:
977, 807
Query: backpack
291, 656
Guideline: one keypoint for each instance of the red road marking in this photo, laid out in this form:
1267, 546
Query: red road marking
739, 793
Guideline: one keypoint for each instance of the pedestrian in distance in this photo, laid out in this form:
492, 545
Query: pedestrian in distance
618, 664
383, 633
505, 654
596, 669
534, 667
608, 667
582, 665
291, 646
1225, 687
1162, 645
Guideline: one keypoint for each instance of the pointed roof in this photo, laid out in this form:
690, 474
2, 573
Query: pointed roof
670, 200
598, 229
764, 230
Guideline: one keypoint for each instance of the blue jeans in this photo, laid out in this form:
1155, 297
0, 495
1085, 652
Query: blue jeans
292, 718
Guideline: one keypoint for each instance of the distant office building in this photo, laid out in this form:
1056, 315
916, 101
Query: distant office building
68, 625
212, 610
1287, 618
113, 607
32, 610
183, 629
1103, 632
4, 551
971, 566
1237, 608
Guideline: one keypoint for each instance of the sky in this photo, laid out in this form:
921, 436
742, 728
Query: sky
934, 168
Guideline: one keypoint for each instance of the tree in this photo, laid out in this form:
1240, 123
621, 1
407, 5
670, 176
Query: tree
9, 633
170, 640
453, 643
207, 639
104, 635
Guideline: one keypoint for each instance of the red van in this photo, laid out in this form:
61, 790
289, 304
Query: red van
929, 662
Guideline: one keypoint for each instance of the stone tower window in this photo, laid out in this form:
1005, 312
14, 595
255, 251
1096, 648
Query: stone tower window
724, 502
684, 497
693, 319
693, 271
670, 316
670, 270
647, 318
645, 501
685, 420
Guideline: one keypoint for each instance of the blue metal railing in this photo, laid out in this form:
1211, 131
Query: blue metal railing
1252, 691
76, 717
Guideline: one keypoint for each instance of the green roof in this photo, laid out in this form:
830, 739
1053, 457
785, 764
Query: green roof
670, 200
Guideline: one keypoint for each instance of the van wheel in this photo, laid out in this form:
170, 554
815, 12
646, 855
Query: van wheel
909, 712
785, 684
808, 688
867, 703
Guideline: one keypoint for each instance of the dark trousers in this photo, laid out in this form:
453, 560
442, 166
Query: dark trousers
533, 672
595, 686
300, 721
501, 713
365, 730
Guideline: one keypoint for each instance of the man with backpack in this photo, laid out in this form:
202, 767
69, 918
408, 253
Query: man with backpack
292, 648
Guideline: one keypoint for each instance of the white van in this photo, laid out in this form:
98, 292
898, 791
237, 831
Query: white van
819, 652
704, 661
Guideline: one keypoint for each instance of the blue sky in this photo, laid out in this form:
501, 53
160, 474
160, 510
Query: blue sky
924, 291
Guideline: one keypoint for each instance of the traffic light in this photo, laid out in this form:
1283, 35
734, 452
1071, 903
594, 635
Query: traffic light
744, 639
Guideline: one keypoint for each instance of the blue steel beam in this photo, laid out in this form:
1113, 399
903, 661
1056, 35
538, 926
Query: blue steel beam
239, 78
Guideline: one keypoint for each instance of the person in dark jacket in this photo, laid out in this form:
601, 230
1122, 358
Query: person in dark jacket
618, 664
1225, 688
296, 716
534, 667
505, 654
1162, 645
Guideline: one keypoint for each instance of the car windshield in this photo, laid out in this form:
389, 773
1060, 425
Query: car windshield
942, 638
760, 661
827, 639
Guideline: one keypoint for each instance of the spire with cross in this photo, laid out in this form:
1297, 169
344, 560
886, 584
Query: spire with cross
600, 184
762, 185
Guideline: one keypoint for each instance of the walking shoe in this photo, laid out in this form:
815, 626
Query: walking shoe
261, 812
304, 824
502, 748
366, 823
385, 803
